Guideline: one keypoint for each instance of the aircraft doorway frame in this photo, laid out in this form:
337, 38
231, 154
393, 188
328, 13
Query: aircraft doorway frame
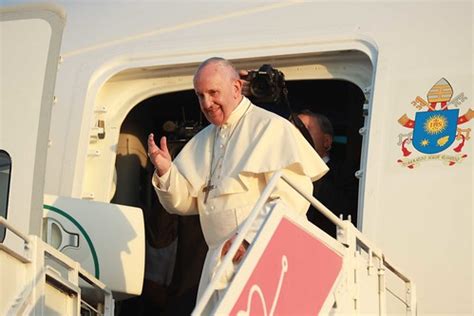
126, 88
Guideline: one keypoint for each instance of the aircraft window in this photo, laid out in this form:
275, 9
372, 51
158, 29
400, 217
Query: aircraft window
5, 170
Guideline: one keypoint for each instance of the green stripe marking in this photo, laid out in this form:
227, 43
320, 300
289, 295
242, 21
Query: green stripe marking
84, 233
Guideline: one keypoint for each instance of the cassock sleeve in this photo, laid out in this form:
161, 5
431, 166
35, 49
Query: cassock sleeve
287, 194
174, 193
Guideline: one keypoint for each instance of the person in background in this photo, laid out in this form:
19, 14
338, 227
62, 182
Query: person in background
321, 131
222, 171
337, 189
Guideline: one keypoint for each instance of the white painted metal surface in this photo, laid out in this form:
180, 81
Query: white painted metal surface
48, 283
27, 84
36, 279
106, 239
115, 56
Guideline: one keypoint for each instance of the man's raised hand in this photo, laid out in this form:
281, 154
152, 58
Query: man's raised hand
159, 156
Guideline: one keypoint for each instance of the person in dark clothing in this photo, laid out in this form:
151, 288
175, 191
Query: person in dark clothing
338, 188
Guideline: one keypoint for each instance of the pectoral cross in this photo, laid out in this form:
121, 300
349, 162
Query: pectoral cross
208, 189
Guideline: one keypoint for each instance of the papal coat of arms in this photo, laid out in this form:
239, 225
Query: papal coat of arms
437, 132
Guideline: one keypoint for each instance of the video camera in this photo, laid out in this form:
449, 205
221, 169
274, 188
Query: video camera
181, 131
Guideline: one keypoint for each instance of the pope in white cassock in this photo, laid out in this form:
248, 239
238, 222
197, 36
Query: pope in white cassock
222, 171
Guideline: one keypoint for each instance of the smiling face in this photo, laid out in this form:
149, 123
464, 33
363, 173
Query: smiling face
218, 88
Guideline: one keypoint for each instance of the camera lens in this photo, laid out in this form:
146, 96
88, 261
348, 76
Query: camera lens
260, 87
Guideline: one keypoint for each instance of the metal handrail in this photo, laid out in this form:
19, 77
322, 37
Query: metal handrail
338, 222
374, 251
201, 304
4, 222
319, 206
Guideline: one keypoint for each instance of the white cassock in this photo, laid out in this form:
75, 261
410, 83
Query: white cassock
239, 158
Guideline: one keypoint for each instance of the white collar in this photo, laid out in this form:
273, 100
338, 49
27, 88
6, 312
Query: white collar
237, 112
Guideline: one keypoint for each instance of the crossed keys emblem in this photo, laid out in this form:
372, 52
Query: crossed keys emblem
255, 289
